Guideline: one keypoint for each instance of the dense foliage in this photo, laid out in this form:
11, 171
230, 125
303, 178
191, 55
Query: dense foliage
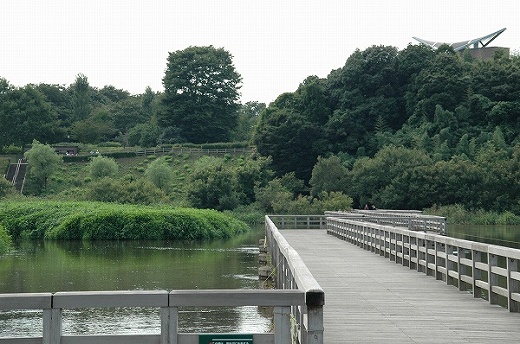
102, 221
415, 128
412, 129
201, 94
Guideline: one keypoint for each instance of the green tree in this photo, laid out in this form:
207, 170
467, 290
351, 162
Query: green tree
42, 161
213, 185
98, 127
248, 116
81, 97
200, 94
288, 137
370, 176
144, 135
160, 174
274, 197
26, 115
328, 175
101, 167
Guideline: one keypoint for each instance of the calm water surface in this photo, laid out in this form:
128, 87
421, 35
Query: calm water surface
65, 266
508, 236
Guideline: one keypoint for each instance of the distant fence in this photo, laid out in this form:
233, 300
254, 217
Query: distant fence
188, 150
490, 272
168, 302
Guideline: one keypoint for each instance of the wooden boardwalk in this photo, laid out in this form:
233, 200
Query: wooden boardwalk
369, 299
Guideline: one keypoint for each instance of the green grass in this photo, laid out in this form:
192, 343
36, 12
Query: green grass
103, 221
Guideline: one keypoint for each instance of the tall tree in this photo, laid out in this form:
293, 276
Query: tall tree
81, 93
201, 93
43, 161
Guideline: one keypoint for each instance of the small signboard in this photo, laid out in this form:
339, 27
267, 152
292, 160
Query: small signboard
221, 338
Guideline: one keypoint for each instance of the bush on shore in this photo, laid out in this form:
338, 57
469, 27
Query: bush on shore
457, 214
5, 241
104, 221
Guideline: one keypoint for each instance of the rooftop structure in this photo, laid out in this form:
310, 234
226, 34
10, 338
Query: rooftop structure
476, 43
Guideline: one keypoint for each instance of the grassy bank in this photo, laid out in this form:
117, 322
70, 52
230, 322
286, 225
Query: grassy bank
105, 221
457, 214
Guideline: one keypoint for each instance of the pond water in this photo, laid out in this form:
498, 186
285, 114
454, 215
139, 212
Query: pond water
508, 236
45, 266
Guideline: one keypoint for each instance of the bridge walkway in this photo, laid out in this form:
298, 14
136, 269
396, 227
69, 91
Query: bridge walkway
369, 299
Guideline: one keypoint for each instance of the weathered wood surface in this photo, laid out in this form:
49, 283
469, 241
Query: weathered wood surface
369, 299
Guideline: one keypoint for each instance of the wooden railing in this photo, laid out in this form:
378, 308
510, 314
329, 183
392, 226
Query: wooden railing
168, 302
293, 274
410, 219
298, 221
488, 271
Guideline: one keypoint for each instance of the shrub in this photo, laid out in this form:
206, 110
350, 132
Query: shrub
160, 174
5, 241
6, 187
101, 167
11, 149
101, 221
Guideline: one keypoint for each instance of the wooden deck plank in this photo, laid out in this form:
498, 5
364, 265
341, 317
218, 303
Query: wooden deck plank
370, 299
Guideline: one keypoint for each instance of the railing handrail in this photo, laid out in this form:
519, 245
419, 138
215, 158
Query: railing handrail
292, 273
168, 301
490, 271
304, 279
411, 219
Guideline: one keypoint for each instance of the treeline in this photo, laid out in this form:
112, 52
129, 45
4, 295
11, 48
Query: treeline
412, 128
405, 129
199, 104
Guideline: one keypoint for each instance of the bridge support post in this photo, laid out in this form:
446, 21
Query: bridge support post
173, 325
314, 325
51, 326
492, 278
512, 266
282, 325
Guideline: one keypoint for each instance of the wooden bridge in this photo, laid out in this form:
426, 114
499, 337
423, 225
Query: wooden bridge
390, 284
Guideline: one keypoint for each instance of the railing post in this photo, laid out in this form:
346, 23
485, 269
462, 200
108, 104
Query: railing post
477, 274
314, 324
173, 325
165, 325
282, 325
512, 284
492, 278
51, 326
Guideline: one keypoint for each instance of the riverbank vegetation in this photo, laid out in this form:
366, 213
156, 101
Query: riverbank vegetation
105, 221
5, 240
457, 214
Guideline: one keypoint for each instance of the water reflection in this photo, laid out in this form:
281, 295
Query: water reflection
508, 236
130, 265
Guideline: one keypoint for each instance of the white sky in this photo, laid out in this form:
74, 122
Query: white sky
275, 44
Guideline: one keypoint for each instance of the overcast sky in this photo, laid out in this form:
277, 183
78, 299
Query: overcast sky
275, 44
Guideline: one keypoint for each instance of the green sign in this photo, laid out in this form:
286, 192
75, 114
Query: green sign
225, 338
